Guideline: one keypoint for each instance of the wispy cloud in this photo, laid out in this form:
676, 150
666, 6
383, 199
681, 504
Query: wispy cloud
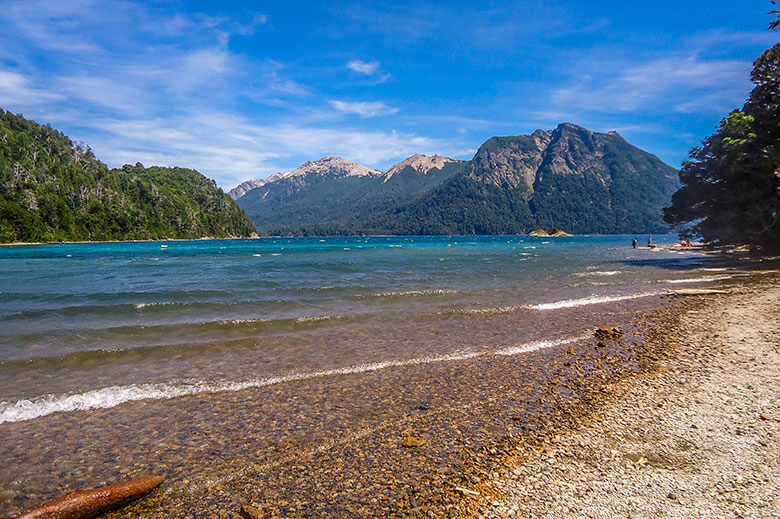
370, 69
680, 83
232, 148
18, 89
364, 109
364, 67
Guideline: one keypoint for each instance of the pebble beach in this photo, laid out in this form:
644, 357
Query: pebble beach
698, 436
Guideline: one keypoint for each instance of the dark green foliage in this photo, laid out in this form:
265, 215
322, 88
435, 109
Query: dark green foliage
461, 206
599, 183
731, 186
52, 189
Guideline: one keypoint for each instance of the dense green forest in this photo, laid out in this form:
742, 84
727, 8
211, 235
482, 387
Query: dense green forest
731, 186
52, 189
569, 177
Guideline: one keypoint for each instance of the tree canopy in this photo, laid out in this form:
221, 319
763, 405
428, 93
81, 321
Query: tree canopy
53, 189
730, 190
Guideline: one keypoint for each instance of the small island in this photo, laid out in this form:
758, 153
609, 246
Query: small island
555, 232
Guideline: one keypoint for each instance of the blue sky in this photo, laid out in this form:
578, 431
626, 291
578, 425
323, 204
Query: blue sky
241, 90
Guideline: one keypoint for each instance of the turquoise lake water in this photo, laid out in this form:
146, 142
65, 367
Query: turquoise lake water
87, 326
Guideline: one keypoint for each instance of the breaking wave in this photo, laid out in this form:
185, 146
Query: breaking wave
591, 300
108, 397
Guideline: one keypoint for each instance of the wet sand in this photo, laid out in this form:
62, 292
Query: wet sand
412, 440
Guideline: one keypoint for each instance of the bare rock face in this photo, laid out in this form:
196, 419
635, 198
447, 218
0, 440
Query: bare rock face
420, 163
335, 166
510, 162
245, 187
332, 166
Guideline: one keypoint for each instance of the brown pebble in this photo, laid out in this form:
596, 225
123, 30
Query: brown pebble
250, 512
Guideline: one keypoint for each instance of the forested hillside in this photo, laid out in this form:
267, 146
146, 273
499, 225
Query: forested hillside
334, 204
569, 177
52, 189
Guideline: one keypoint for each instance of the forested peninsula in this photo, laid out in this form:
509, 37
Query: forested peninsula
52, 189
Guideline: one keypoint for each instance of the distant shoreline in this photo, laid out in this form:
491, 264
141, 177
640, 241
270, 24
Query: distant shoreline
205, 238
277, 236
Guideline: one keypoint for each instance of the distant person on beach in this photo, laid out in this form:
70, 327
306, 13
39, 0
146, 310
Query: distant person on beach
650, 240
634, 243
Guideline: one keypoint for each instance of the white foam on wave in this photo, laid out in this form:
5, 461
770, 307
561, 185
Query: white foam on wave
696, 280
154, 303
599, 273
591, 300
108, 397
403, 293
317, 318
538, 345
487, 311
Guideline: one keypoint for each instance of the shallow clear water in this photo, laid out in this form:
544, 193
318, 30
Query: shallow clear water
101, 324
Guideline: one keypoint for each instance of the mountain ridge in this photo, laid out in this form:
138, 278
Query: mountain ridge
568, 177
330, 165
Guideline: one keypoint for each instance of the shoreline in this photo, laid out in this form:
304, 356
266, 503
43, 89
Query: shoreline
203, 238
696, 436
697, 248
411, 440
484, 459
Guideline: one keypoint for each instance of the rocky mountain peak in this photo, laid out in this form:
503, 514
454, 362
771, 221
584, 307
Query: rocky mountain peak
325, 166
333, 166
245, 187
420, 163
510, 161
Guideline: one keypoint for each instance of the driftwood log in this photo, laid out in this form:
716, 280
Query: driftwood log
83, 504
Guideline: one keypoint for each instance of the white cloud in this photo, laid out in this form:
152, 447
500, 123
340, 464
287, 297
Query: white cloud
681, 83
165, 88
364, 109
102, 91
364, 67
232, 149
16, 89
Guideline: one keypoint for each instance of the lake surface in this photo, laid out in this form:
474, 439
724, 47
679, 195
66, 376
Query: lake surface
223, 364
95, 325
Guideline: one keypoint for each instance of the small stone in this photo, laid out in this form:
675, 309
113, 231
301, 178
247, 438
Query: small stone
608, 333
250, 512
412, 442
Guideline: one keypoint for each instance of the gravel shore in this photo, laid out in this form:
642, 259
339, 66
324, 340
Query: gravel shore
698, 438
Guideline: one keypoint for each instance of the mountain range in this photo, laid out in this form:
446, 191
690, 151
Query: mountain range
568, 177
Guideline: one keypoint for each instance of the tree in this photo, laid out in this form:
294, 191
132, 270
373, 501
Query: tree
730, 190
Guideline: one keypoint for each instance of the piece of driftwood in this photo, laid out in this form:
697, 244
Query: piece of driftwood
83, 504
